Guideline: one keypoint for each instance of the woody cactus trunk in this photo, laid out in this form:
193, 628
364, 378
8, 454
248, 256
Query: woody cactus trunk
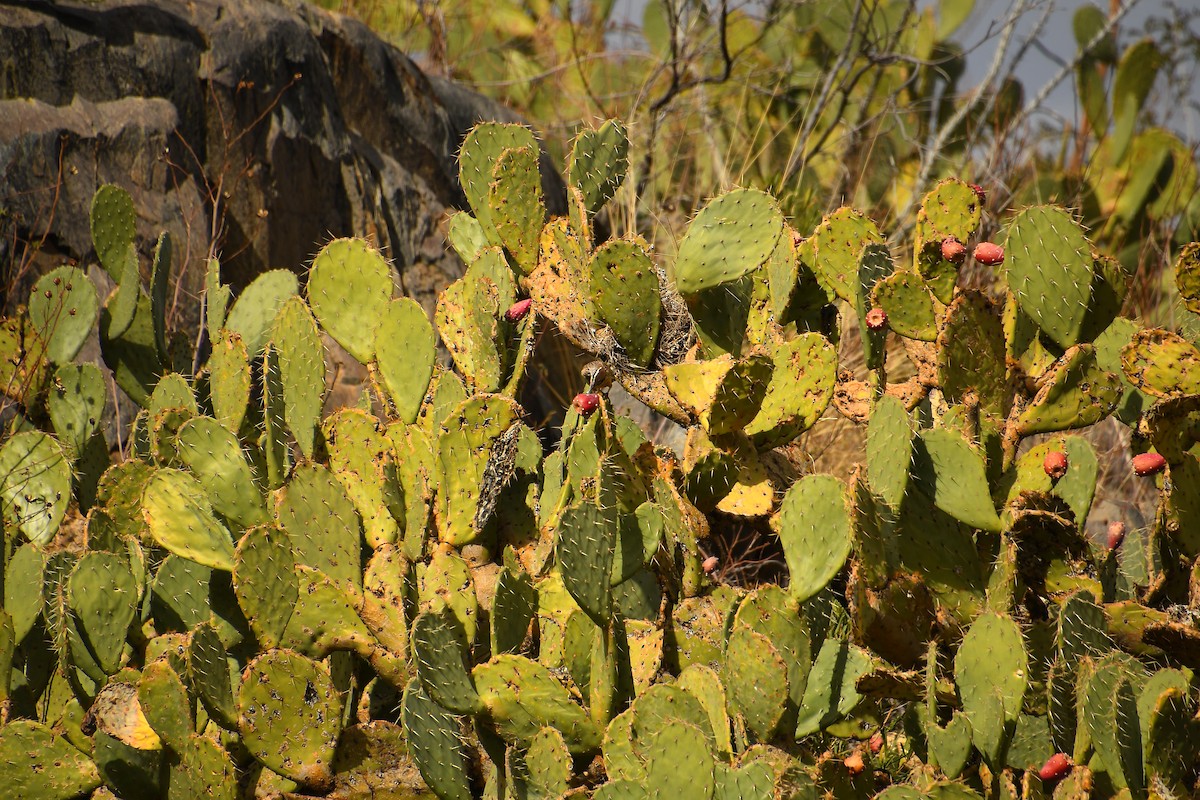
266, 600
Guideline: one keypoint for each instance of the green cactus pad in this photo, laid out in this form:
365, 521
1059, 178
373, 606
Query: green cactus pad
132, 353
587, 537
1187, 276
165, 702
414, 460
598, 162
991, 663
289, 716
756, 677
76, 405
229, 380
447, 583
679, 762
23, 580
1077, 487
41, 766
1049, 268
114, 227
799, 391
349, 289
321, 522
464, 451
889, 450
952, 474
214, 457
1075, 393
513, 609
103, 596
837, 244
256, 307
909, 304
466, 236
35, 484
1162, 364
971, 355
385, 584
467, 318
521, 697
549, 764
436, 743
481, 150
440, 651
950, 209
1170, 741
264, 579
203, 769
296, 339
211, 679
405, 353
360, 457
830, 693
180, 518
624, 292
64, 307
515, 200
726, 394
731, 236
814, 528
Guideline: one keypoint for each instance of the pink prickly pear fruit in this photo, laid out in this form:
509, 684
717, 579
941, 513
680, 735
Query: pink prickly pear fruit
518, 310
989, 253
877, 319
1116, 534
586, 403
979, 191
1055, 767
1055, 464
953, 250
875, 743
710, 564
1149, 464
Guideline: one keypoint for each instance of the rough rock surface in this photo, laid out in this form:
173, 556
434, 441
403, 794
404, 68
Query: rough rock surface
267, 127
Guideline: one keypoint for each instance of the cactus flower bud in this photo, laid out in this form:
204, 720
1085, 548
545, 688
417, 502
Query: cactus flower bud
989, 253
1149, 464
953, 250
517, 311
1055, 767
877, 319
586, 403
1116, 534
1055, 464
979, 191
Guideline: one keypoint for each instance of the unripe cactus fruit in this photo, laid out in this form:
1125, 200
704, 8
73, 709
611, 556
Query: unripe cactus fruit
1148, 464
877, 319
953, 250
979, 191
586, 403
517, 311
989, 253
1116, 534
1055, 767
1055, 464
710, 564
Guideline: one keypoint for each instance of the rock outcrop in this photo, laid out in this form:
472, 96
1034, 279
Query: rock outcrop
256, 130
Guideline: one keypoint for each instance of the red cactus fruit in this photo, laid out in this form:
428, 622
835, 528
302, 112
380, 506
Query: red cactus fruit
854, 763
586, 403
1149, 464
1116, 534
710, 564
877, 319
875, 743
989, 253
1055, 464
953, 250
517, 311
1055, 767
979, 191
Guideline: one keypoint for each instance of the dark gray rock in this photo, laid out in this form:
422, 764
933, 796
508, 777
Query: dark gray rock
251, 129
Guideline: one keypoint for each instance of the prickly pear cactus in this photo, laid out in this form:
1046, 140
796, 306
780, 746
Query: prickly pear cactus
518, 601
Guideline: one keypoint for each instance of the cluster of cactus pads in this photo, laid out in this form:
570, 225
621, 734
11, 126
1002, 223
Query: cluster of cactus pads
424, 594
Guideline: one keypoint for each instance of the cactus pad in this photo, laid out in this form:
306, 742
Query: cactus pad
35, 484
180, 518
732, 236
349, 288
814, 528
1050, 270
